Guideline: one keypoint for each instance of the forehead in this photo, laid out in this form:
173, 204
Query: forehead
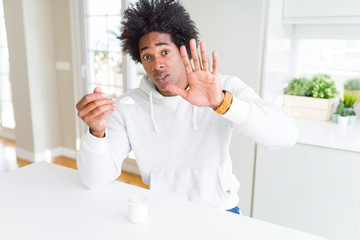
154, 39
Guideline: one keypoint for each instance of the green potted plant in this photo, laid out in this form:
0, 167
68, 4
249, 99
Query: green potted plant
352, 116
349, 102
310, 99
299, 87
323, 87
342, 117
353, 86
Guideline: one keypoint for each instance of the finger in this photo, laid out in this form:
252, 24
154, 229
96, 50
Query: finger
97, 89
98, 112
176, 90
107, 113
204, 57
88, 98
85, 110
195, 55
215, 62
186, 60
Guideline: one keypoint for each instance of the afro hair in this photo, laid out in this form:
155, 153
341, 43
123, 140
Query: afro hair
164, 16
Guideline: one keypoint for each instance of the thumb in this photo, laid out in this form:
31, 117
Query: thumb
176, 90
97, 90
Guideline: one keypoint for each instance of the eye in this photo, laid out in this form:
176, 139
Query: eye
146, 57
165, 52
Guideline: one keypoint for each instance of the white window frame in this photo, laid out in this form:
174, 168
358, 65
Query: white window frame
81, 74
344, 31
6, 132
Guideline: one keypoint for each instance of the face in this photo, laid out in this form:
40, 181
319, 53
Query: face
162, 61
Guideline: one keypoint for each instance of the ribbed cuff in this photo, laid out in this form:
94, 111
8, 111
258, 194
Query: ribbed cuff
96, 145
238, 112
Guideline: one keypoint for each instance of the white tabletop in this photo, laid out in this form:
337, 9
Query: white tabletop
47, 201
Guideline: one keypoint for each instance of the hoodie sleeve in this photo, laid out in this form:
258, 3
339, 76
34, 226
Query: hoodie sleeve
99, 159
268, 124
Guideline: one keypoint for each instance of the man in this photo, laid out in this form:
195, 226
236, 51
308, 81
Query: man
179, 121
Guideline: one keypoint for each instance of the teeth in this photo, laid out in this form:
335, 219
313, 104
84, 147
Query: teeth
162, 77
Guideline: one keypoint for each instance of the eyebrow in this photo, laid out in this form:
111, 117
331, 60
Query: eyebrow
156, 44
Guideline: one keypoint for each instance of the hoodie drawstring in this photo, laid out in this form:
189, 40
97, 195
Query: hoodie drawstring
152, 112
153, 118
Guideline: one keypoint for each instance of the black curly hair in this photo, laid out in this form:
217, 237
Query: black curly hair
165, 16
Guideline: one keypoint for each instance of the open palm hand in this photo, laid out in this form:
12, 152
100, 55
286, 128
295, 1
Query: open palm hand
204, 85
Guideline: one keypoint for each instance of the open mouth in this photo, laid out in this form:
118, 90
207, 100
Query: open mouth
162, 78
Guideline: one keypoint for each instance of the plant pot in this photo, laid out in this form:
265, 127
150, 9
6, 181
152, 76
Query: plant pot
349, 109
343, 121
352, 119
334, 117
308, 107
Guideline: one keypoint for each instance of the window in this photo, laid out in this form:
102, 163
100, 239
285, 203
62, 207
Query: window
99, 51
6, 106
106, 65
328, 49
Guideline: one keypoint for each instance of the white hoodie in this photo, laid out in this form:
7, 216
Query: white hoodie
181, 149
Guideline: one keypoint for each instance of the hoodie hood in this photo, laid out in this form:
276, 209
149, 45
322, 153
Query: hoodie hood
147, 86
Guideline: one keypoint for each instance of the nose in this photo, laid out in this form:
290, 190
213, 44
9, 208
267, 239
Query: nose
158, 63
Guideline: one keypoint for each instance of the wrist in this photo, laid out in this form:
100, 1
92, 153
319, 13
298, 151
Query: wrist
225, 104
99, 134
219, 101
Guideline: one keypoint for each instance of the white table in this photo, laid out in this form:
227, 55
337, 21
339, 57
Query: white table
47, 201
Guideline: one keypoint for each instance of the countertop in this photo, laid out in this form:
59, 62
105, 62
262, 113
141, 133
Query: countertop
329, 134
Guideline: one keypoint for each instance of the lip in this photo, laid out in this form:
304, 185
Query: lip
162, 78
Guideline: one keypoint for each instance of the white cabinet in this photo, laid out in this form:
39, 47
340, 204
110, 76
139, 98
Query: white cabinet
312, 189
321, 11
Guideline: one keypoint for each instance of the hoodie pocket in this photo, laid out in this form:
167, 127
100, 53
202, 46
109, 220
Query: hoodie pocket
201, 185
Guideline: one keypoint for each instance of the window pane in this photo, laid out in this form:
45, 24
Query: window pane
107, 70
4, 61
7, 116
96, 7
5, 88
114, 70
340, 58
1, 9
6, 107
97, 33
99, 67
113, 7
3, 40
113, 33
103, 48
140, 72
309, 55
329, 55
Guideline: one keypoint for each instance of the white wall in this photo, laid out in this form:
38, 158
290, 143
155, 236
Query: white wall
40, 54
43, 97
14, 20
278, 53
66, 81
236, 30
